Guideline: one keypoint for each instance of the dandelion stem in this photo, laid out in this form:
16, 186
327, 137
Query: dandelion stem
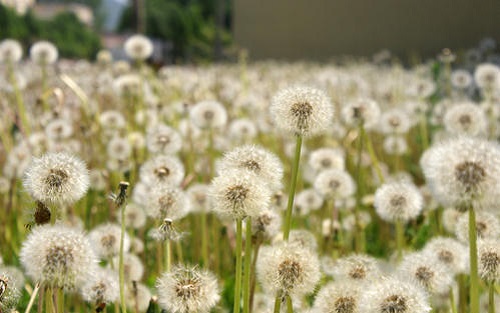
32, 298
168, 255
400, 238
491, 297
293, 186
204, 239
237, 283
359, 191
289, 305
423, 132
452, 301
373, 158
121, 266
247, 264
277, 303
253, 282
474, 280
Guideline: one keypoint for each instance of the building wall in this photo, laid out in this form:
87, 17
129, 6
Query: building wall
319, 29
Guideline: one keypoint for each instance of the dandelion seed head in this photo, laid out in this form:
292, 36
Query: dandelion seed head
105, 240
488, 252
325, 159
43, 53
487, 226
398, 201
361, 111
465, 118
167, 202
449, 252
56, 178
163, 139
101, 287
356, 268
10, 51
302, 111
208, 115
338, 297
334, 183
395, 121
162, 170
185, 290
138, 47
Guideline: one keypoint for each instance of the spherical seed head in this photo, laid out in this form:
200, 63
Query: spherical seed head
307, 200
9, 292
105, 240
303, 111
167, 202
394, 296
10, 51
267, 224
208, 115
137, 296
356, 268
288, 268
338, 297
488, 254
132, 265
135, 217
162, 170
257, 160
326, 158
395, 121
186, 290
119, 148
466, 119
398, 201
463, 171
57, 256
101, 287
299, 237
450, 252
335, 183
238, 194
461, 79
487, 226
138, 47
361, 111
57, 178
163, 139
487, 75
421, 269
43, 53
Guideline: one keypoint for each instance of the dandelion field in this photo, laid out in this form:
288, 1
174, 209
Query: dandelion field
360, 186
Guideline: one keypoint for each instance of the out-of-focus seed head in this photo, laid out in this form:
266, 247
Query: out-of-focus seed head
186, 290
361, 111
335, 183
356, 269
395, 121
138, 47
9, 292
326, 158
487, 226
10, 51
466, 119
102, 287
398, 201
57, 178
162, 170
308, 200
450, 252
43, 53
137, 296
488, 255
338, 297
256, 160
58, 256
105, 240
302, 111
163, 139
208, 115
132, 265
167, 202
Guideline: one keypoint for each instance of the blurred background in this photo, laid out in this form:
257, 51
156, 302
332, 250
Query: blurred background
187, 31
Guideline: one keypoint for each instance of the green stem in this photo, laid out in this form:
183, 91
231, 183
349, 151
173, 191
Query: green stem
168, 255
204, 239
289, 305
423, 132
400, 238
452, 301
491, 297
237, 283
293, 186
359, 191
121, 267
373, 158
474, 280
462, 293
49, 304
277, 303
247, 263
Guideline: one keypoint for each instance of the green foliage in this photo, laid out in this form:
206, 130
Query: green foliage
72, 38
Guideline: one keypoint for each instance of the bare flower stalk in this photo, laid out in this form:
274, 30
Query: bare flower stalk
120, 201
237, 283
247, 265
293, 187
474, 279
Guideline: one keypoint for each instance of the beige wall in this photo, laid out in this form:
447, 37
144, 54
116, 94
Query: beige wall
318, 29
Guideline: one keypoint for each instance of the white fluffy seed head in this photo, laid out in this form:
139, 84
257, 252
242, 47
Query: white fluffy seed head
356, 268
238, 194
338, 297
302, 111
208, 115
335, 183
487, 76
421, 269
395, 145
361, 111
132, 266
58, 178
466, 119
44, 53
488, 255
395, 121
135, 217
138, 47
487, 226
398, 201
105, 240
167, 202
288, 268
162, 170
308, 200
9, 292
267, 224
163, 139
326, 158
187, 290
10, 51
257, 160
394, 296
58, 256
450, 252
137, 296
101, 287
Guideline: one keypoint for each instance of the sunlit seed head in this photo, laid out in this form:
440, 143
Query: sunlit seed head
138, 47
43, 53
489, 259
487, 226
398, 201
105, 239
